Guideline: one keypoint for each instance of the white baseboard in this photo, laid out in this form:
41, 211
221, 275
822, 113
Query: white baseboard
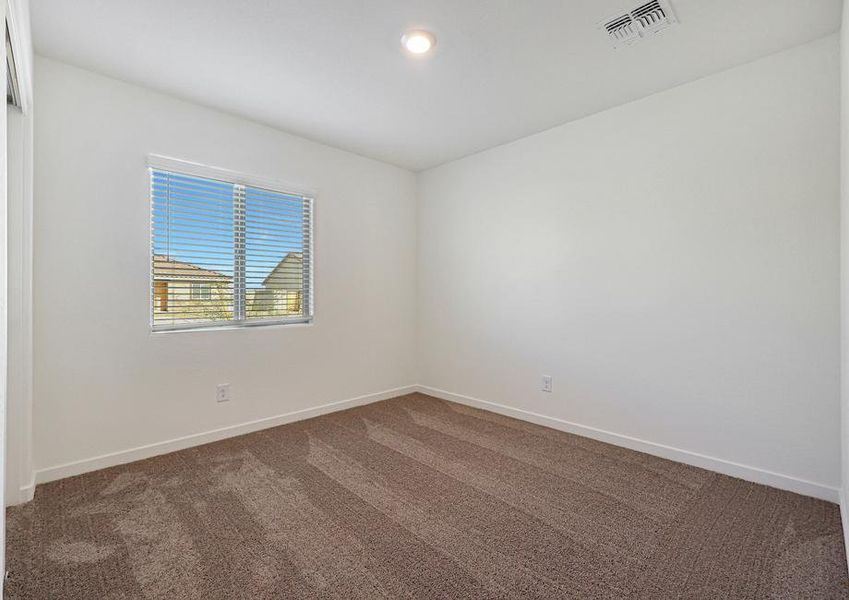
27, 491
754, 474
23, 494
147, 451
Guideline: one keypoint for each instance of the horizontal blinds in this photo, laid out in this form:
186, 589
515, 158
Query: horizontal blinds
227, 253
277, 242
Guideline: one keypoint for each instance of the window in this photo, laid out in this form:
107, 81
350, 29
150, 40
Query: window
201, 291
227, 249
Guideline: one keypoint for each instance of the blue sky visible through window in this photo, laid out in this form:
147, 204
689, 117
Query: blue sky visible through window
193, 223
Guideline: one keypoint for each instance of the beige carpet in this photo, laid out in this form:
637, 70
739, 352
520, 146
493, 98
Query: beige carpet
419, 498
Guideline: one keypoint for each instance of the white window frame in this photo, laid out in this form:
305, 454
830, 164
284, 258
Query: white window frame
165, 163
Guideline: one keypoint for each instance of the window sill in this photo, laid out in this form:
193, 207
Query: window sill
233, 327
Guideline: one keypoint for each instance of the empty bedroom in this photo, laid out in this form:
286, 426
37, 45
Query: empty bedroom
388, 299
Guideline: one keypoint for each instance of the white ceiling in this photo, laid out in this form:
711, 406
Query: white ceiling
334, 71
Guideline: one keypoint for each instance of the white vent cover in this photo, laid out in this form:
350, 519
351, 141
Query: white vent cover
639, 23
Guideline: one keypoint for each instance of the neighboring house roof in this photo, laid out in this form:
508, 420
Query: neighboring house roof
168, 269
288, 274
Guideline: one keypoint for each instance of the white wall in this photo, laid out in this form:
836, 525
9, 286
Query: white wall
844, 267
672, 263
19, 472
103, 382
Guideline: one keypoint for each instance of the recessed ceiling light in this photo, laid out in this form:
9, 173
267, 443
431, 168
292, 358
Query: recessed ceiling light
418, 41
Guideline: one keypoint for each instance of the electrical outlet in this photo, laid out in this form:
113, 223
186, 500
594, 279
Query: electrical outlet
546, 383
223, 392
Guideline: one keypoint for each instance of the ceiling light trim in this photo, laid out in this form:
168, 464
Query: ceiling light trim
418, 42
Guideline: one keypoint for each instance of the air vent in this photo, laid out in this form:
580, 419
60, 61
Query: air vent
622, 30
644, 21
